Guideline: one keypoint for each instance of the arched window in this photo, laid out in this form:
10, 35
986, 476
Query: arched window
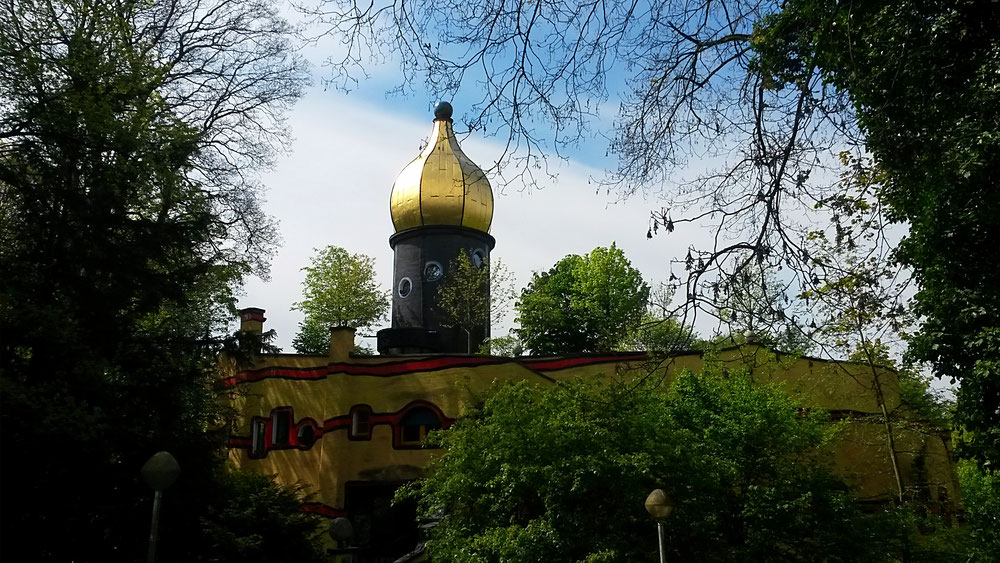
361, 422
415, 425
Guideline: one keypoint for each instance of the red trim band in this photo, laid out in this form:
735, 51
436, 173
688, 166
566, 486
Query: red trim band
546, 364
323, 510
391, 369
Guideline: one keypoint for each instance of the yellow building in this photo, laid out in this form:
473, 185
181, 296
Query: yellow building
351, 428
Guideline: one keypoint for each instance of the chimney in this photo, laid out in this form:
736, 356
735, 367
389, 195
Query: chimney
341, 343
252, 320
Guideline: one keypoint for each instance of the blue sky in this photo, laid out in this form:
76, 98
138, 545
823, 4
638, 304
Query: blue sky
333, 188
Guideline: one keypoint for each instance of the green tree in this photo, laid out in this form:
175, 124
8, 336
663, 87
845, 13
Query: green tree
131, 135
659, 334
583, 304
472, 297
339, 290
560, 474
505, 346
256, 520
981, 493
659, 330
933, 136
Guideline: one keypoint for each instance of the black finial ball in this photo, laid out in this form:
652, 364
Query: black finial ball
442, 110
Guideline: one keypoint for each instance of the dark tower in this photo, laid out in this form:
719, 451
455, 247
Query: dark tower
441, 205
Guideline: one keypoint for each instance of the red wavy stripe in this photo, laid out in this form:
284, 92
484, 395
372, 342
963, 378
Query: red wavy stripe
249, 376
322, 509
238, 442
563, 363
430, 364
335, 423
408, 367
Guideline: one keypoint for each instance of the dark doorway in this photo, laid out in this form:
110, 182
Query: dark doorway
383, 531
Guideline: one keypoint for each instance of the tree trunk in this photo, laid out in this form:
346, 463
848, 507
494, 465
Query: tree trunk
890, 438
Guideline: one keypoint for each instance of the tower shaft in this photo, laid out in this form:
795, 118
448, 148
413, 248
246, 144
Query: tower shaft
442, 208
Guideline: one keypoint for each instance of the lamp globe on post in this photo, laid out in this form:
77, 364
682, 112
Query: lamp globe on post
341, 529
159, 472
660, 507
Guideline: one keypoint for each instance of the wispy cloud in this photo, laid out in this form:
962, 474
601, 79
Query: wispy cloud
334, 188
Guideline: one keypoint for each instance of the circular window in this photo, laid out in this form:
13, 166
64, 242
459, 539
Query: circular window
306, 436
405, 285
478, 258
433, 271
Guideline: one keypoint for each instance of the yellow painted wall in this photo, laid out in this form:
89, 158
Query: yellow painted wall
862, 457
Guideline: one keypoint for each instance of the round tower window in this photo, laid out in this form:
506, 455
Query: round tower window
478, 259
405, 285
433, 271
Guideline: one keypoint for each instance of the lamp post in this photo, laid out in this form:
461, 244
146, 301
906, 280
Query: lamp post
659, 506
341, 530
159, 472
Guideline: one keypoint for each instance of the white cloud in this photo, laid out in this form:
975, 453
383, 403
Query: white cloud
334, 189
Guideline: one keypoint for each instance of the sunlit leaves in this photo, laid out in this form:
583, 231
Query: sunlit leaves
339, 290
583, 304
922, 77
560, 473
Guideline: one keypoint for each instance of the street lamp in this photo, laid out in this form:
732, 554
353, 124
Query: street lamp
659, 506
159, 472
341, 530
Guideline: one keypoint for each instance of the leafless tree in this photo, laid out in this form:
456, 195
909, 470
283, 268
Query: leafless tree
690, 90
225, 69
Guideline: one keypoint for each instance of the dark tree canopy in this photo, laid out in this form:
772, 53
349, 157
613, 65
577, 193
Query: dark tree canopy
589, 303
260, 521
131, 135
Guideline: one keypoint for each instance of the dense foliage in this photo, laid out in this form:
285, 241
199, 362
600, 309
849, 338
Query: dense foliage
561, 473
587, 303
981, 493
256, 520
131, 137
659, 334
923, 80
339, 290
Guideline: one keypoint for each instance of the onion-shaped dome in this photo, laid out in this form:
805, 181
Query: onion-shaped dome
442, 186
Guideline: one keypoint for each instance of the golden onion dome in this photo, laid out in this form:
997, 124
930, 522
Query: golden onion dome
442, 186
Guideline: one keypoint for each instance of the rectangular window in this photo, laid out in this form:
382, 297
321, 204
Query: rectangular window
257, 435
281, 427
412, 434
360, 423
